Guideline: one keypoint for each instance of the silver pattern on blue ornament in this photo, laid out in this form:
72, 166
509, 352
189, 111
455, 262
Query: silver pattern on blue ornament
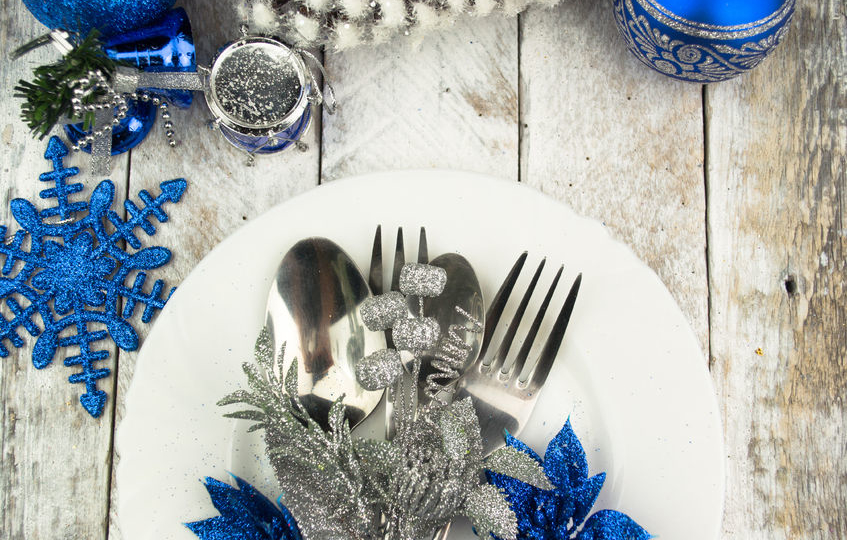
703, 41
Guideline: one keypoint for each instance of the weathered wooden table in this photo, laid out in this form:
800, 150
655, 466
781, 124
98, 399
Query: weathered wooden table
735, 194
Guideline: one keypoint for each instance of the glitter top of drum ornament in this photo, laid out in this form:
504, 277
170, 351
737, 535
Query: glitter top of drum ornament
260, 91
257, 83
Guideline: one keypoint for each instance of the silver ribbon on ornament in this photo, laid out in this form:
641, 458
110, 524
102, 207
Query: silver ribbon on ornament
128, 80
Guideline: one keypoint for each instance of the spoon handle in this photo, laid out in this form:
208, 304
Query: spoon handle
442, 533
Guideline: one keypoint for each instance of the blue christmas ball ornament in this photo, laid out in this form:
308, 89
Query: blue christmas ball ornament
167, 45
703, 41
110, 17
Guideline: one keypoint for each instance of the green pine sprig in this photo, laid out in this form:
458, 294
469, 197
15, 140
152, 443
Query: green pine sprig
47, 97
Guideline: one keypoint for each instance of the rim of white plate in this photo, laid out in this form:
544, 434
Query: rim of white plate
462, 188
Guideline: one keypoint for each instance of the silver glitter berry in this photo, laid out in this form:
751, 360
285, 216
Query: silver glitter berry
380, 312
379, 370
415, 334
422, 279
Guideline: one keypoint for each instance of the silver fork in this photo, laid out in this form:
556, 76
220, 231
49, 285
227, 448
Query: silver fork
503, 399
375, 281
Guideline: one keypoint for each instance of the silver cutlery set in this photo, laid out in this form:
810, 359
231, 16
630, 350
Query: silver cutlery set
313, 315
313, 308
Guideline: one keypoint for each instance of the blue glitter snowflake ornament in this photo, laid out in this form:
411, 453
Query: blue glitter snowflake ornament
560, 513
70, 263
246, 514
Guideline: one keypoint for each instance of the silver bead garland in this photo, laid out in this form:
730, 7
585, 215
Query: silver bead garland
97, 82
88, 86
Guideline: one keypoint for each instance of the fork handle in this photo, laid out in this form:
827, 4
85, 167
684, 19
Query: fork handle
442, 533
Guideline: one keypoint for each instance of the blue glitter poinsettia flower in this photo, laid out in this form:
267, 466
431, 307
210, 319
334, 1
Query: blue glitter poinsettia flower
246, 514
560, 513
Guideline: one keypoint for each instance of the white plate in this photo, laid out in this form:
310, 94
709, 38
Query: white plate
630, 373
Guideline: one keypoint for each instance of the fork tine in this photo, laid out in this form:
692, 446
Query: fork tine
375, 273
498, 304
539, 373
520, 360
399, 260
423, 252
500, 358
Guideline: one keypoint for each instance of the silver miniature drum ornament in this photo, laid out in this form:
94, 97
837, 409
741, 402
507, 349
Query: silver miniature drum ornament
260, 93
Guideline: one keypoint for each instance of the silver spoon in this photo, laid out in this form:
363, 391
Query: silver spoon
313, 307
462, 290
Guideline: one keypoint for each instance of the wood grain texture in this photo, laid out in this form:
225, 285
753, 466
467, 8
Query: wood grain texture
223, 193
557, 102
616, 142
55, 457
777, 188
450, 102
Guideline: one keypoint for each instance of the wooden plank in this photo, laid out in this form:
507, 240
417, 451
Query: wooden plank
616, 142
223, 193
777, 185
450, 102
54, 473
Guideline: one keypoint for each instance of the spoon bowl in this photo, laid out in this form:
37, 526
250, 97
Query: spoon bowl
313, 309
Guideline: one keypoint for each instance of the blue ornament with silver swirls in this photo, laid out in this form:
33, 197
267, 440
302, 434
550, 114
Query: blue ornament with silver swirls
703, 41
110, 17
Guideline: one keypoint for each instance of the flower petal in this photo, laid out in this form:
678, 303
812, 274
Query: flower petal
612, 525
209, 529
523, 498
489, 513
564, 460
519, 465
518, 444
255, 502
585, 495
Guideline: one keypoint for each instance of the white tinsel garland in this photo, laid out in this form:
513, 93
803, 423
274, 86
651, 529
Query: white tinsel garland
345, 24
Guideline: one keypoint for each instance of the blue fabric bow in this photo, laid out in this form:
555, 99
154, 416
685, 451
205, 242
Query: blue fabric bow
561, 513
246, 514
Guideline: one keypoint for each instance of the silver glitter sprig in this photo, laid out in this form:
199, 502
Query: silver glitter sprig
318, 471
413, 334
360, 489
451, 354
